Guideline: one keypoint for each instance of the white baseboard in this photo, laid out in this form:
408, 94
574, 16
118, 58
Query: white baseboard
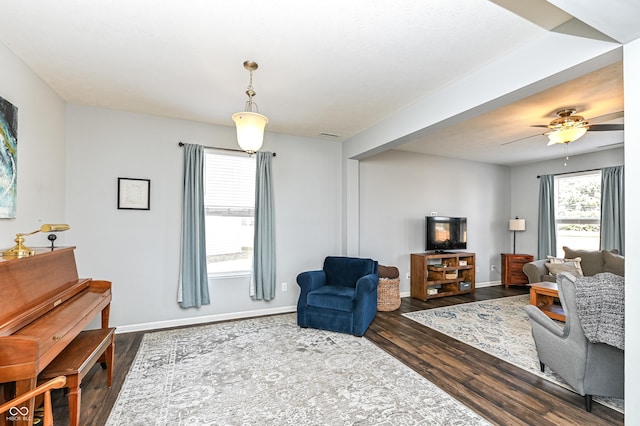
488, 284
158, 325
204, 319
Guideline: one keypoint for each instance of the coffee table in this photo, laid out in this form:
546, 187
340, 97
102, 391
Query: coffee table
542, 295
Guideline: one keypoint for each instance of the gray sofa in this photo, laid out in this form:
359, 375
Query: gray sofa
592, 262
589, 368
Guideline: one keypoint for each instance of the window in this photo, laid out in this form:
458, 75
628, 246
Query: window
229, 211
577, 208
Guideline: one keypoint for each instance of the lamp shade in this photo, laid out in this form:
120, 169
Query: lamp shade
54, 227
517, 224
250, 130
566, 135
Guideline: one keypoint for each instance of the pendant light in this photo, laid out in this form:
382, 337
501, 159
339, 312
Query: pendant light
249, 124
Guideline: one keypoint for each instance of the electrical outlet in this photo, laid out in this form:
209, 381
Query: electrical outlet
284, 286
493, 267
408, 275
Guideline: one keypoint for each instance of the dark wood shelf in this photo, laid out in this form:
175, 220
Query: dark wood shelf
430, 269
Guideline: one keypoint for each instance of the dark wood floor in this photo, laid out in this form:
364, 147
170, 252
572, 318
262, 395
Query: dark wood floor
498, 391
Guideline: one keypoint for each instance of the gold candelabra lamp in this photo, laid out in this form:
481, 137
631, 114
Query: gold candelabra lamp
19, 250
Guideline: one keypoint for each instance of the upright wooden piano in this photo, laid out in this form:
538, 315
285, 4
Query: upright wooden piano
43, 307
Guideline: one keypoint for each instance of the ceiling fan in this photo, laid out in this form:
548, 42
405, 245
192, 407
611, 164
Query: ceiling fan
568, 127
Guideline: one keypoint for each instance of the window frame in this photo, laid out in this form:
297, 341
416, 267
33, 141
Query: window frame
250, 211
574, 220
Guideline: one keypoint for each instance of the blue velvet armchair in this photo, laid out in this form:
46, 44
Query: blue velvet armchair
342, 297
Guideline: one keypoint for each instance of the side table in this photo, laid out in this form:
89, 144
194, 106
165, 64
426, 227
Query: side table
542, 295
511, 266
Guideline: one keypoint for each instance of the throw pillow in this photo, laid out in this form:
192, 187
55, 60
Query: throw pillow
613, 263
556, 265
592, 260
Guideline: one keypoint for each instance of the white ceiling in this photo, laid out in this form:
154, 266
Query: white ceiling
505, 135
334, 66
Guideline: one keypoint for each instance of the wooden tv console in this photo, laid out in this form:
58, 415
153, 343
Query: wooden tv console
436, 274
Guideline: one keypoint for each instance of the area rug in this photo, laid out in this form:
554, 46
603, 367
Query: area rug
268, 371
499, 327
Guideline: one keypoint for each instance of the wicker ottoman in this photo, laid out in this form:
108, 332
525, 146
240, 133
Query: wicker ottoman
388, 294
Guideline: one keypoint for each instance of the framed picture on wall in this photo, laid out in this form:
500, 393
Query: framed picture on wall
8, 159
134, 194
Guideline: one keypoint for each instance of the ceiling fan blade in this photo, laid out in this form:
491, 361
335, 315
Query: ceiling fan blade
607, 117
605, 127
613, 145
521, 139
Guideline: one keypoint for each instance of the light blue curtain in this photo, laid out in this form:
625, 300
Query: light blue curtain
193, 286
546, 218
264, 254
612, 205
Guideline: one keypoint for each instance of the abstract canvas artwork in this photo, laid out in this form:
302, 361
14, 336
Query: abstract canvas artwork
8, 158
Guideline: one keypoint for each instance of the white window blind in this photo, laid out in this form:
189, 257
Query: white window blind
230, 184
229, 209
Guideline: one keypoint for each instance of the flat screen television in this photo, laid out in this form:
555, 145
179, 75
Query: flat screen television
446, 233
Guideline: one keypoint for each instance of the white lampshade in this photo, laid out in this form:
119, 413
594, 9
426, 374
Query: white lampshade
566, 135
250, 130
517, 225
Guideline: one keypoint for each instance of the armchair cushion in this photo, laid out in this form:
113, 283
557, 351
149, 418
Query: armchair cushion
333, 297
345, 271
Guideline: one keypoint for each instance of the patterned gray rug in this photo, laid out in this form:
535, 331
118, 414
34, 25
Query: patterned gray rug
268, 371
499, 327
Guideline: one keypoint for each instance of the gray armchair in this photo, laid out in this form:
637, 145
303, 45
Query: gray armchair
589, 368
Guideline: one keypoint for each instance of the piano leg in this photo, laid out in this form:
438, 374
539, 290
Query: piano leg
73, 381
110, 356
107, 309
25, 413
104, 359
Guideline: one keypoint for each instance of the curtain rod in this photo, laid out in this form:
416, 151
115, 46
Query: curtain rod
222, 149
577, 171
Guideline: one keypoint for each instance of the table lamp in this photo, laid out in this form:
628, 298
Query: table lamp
19, 250
516, 225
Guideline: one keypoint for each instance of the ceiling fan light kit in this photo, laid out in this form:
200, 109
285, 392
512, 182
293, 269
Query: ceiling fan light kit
567, 127
566, 135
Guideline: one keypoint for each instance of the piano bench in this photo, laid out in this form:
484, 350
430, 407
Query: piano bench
75, 361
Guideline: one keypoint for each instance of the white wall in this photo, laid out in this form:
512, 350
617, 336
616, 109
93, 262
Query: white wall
632, 229
525, 187
139, 250
398, 189
41, 152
